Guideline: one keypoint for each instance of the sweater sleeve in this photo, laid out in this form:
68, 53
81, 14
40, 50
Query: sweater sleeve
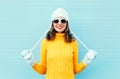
41, 67
78, 67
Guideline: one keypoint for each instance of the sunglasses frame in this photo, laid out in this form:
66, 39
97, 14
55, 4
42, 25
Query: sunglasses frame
63, 21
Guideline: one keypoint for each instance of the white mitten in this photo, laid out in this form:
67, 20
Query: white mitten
89, 57
28, 57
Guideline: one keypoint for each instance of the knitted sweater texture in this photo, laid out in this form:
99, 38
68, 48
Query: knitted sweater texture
59, 59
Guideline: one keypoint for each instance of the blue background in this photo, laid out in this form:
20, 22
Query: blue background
96, 22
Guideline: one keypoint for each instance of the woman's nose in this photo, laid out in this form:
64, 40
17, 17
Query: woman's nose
59, 22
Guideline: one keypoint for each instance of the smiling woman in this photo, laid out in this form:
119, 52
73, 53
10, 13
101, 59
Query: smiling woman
59, 51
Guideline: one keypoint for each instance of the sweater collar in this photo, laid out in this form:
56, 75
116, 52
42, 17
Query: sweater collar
60, 35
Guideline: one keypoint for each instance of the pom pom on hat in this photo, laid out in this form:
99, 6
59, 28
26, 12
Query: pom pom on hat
59, 12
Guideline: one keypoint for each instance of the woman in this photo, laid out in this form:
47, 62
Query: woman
59, 51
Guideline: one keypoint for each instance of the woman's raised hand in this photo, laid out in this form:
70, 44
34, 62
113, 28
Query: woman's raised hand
89, 57
28, 57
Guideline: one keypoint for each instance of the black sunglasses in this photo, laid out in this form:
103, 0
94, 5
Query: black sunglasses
58, 20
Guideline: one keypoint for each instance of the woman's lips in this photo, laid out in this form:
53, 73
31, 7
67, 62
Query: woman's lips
59, 27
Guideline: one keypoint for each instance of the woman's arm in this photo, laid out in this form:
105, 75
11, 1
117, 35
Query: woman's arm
41, 67
78, 67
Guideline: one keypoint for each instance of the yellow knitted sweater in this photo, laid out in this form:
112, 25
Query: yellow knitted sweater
59, 59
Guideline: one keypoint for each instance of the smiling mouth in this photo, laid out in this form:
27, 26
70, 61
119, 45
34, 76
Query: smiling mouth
59, 27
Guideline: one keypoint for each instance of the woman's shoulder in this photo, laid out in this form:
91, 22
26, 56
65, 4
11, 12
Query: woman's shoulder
74, 42
44, 41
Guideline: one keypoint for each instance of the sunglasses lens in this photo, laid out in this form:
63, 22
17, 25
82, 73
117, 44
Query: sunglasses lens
63, 21
56, 21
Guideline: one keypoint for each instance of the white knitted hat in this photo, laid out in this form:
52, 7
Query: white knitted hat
59, 12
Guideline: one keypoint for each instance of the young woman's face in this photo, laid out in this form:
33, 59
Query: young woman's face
59, 24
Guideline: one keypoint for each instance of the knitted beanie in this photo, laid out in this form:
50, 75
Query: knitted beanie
59, 12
